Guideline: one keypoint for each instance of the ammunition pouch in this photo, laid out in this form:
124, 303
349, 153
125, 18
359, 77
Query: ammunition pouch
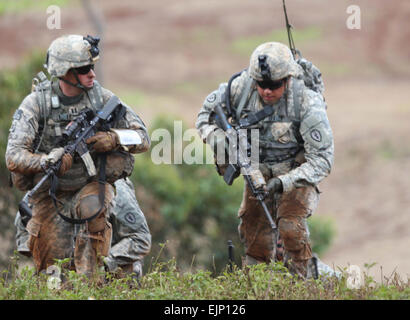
278, 152
74, 179
119, 165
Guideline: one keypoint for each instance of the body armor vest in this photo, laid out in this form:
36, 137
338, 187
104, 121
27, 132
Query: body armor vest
279, 137
54, 118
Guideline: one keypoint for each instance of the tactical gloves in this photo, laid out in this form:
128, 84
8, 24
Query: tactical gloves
54, 156
51, 158
104, 141
274, 185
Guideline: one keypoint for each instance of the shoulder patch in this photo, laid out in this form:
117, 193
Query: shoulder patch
316, 135
211, 98
130, 218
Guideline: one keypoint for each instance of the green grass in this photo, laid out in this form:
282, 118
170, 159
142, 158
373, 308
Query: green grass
389, 150
16, 6
165, 281
245, 46
338, 69
322, 231
135, 98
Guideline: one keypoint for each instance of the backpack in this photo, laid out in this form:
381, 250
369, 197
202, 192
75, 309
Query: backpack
312, 77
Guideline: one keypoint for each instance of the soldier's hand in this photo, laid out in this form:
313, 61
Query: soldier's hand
274, 185
66, 163
103, 141
52, 158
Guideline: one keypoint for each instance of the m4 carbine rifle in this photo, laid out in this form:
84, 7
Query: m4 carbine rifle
77, 131
252, 176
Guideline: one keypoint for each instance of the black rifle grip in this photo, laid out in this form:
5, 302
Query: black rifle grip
231, 173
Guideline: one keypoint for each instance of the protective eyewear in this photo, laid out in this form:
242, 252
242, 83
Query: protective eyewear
271, 85
85, 69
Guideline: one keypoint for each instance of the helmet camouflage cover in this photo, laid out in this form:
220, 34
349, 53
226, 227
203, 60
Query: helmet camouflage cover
70, 51
272, 61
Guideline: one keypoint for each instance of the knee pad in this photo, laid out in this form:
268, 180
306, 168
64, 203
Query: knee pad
89, 206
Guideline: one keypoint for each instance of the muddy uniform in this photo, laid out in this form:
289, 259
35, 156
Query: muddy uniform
131, 238
33, 140
77, 190
296, 146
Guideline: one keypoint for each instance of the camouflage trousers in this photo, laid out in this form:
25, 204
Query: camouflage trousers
290, 211
53, 238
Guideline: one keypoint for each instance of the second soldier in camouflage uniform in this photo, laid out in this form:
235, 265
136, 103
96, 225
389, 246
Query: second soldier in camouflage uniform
295, 151
33, 146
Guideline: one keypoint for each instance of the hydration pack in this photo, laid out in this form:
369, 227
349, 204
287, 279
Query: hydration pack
312, 77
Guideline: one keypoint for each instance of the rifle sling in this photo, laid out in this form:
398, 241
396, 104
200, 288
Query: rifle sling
256, 117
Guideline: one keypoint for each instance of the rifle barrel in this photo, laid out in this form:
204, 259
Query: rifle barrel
265, 209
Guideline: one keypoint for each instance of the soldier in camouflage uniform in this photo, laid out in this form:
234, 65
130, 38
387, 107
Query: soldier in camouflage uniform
131, 238
295, 151
76, 225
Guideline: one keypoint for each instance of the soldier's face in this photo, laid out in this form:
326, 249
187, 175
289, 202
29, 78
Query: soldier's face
271, 95
87, 80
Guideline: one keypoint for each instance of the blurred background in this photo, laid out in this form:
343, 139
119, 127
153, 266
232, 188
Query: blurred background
163, 57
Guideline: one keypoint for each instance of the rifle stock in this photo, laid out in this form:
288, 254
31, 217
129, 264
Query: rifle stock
25, 210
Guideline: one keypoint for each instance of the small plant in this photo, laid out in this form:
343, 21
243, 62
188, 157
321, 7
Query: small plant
165, 280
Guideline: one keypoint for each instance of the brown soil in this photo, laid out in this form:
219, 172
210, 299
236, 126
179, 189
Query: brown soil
175, 52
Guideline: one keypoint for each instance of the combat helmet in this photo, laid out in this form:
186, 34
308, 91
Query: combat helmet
71, 51
272, 61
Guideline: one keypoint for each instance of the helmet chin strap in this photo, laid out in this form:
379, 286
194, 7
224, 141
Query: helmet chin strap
286, 94
76, 85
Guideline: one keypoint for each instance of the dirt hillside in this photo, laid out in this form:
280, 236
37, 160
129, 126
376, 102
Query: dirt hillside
166, 55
